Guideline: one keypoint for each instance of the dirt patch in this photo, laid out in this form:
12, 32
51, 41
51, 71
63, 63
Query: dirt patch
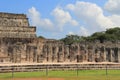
38, 79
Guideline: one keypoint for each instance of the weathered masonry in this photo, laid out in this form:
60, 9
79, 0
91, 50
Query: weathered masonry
19, 44
55, 51
15, 26
15, 33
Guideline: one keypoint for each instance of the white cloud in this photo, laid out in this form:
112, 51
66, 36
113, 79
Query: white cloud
71, 33
63, 17
36, 19
113, 6
70, 6
83, 31
89, 15
115, 19
92, 15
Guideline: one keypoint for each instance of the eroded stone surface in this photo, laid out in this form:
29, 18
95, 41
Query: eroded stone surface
19, 44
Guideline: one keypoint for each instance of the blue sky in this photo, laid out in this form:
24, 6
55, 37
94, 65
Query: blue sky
58, 18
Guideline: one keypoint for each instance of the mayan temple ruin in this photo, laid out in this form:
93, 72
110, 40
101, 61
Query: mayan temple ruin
19, 44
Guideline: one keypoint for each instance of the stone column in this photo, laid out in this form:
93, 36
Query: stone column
116, 54
86, 60
31, 55
50, 53
53, 53
112, 55
27, 54
56, 54
35, 55
93, 54
61, 54
45, 53
66, 53
70, 53
108, 57
119, 55
73, 53
78, 52
18, 56
82, 53
13, 55
90, 55
104, 54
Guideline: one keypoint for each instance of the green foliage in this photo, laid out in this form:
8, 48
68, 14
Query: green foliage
41, 37
99, 36
69, 39
112, 34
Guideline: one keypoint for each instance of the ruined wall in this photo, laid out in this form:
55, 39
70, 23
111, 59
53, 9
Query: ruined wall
47, 51
56, 51
13, 20
15, 26
15, 34
18, 44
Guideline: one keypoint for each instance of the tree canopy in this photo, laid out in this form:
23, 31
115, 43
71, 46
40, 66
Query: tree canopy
69, 39
41, 37
112, 34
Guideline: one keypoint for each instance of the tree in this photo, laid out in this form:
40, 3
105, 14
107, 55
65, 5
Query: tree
69, 39
99, 36
41, 37
112, 34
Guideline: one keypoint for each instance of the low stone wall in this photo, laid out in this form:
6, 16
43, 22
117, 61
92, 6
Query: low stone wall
56, 66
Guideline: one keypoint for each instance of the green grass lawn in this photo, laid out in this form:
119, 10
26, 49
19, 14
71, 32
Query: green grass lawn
67, 75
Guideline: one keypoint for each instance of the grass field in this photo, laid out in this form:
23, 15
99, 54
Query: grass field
67, 75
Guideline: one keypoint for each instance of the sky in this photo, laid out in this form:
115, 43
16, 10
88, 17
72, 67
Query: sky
54, 19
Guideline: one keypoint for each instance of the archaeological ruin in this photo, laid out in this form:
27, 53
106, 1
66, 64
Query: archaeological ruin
19, 44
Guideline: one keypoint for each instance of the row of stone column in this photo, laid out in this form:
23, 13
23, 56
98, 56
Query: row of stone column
79, 53
65, 53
